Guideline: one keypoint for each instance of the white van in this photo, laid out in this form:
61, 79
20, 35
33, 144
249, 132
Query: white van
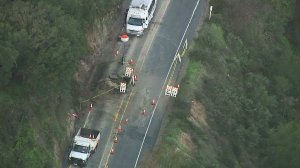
139, 15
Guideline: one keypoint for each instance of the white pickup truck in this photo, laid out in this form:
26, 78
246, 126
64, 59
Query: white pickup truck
84, 144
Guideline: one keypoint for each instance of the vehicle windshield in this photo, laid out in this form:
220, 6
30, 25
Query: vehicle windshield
135, 21
81, 149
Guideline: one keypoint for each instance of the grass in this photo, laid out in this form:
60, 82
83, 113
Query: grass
195, 71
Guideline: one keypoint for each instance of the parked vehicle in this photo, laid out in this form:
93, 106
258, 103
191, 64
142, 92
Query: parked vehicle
84, 144
139, 15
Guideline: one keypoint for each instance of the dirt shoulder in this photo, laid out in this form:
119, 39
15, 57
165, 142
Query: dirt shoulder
94, 71
103, 43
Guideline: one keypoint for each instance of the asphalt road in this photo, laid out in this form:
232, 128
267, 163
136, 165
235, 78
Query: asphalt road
153, 55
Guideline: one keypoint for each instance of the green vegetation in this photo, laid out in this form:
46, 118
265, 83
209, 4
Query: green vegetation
41, 42
247, 59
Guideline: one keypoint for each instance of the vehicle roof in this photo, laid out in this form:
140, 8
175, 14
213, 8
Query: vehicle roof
135, 12
81, 142
143, 4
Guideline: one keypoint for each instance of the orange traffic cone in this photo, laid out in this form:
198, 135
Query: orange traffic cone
130, 61
112, 151
115, 139
117, 53
144, 112
153, 103
119, 129
126, 121
91, 107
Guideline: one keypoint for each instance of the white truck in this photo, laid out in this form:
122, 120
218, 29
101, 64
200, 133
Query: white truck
84, 144
139, 15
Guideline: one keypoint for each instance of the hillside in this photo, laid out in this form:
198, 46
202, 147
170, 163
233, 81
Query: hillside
41, 44
239, 100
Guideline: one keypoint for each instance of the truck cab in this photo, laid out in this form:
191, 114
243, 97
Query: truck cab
80, 153
84, 144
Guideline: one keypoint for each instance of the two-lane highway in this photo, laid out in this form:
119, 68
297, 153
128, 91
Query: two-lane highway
153, 54
181, 17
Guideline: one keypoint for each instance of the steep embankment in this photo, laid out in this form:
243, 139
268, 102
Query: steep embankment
239, 101
41, 43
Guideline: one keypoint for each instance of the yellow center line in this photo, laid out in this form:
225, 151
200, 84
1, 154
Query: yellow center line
131, 93
106, 163
111, 130
116, 116
125, 108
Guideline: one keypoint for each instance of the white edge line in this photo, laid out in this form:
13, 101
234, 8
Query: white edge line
137, 159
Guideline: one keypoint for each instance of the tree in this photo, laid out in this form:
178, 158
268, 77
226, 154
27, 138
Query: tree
284, 149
